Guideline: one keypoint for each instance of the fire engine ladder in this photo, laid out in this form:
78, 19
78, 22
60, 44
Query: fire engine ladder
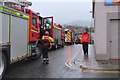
19, 3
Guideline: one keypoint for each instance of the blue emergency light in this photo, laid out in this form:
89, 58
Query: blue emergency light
109, 2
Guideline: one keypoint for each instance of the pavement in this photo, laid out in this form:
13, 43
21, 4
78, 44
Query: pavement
89, 62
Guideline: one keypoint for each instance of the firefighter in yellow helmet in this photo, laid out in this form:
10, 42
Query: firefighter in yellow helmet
46, 45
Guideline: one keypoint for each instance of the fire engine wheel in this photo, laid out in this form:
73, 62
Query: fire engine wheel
56, 46
38, 52
63, 44
3, 65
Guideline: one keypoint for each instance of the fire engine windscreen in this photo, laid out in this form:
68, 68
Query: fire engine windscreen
34, 20
48, 24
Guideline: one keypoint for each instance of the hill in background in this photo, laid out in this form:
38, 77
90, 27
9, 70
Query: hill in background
80, 23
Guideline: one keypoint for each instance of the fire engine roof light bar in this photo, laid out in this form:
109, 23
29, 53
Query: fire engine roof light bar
26, 3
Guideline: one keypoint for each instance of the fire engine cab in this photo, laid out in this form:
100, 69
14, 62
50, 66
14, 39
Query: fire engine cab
55, 31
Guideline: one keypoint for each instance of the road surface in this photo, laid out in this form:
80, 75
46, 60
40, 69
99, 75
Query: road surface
63, 64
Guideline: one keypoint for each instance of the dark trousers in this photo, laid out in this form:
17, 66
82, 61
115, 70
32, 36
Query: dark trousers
45, 49
85, 47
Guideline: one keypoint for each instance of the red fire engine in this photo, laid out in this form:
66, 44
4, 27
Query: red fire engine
21, 34
69, 36
55, 31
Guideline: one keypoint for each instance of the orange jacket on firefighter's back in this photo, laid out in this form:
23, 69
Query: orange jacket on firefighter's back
85, 38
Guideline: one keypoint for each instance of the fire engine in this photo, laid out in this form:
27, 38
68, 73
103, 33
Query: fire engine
69, 36
21, 32
19, 35
55, 31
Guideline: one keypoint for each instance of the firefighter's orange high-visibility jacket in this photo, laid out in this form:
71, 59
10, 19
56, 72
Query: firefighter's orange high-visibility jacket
85, 38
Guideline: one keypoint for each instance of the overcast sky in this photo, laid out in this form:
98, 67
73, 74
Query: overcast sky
64, 11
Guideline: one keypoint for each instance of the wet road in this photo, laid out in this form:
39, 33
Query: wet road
62, 65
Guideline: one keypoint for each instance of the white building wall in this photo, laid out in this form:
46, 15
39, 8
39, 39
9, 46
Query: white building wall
100, 17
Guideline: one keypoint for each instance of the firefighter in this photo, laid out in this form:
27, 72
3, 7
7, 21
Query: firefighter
46, 45
85, 40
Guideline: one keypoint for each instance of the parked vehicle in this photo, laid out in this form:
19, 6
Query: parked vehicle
69, 36
20, 36
77, 40
21, 33
55, 31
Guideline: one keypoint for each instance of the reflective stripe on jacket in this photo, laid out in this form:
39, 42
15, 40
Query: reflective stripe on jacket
48, 37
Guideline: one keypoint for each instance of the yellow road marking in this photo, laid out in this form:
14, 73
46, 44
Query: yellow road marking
98, 71
113, 72
70, 62
67, 63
